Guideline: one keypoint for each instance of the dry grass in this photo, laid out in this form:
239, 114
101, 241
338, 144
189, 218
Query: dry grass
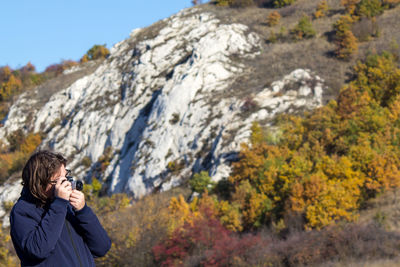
383, 210
44, 91
356, 263
280, 58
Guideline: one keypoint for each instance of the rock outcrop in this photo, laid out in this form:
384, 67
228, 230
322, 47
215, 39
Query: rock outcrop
162, 106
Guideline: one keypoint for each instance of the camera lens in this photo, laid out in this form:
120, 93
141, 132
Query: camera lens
79, 185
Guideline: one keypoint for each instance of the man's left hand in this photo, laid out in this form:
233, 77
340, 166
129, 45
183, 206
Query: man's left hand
77, 199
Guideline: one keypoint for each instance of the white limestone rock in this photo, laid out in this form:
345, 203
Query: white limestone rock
164, 100
9, 193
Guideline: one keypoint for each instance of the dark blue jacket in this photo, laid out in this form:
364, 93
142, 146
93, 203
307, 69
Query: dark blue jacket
56, 235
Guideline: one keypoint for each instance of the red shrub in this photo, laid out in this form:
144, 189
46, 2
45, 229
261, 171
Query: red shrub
207, 243
201, 236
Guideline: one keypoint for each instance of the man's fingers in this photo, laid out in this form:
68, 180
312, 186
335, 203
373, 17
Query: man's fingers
74, 197
76, 193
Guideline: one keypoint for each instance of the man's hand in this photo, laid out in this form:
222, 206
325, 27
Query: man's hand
77, 200
63, 189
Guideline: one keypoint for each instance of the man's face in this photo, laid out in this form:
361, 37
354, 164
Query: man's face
53, 180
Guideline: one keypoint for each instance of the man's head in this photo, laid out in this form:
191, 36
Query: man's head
40, 173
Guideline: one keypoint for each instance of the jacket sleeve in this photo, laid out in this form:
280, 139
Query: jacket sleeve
37, 237
95, 236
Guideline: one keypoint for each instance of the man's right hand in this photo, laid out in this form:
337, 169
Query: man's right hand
63, 188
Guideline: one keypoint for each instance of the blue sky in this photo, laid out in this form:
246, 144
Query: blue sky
45, 32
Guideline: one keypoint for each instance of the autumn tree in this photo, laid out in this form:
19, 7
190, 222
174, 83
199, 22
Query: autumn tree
273, 18
346, 42
326, 163
96, 52
10, 87
349, 5
21, 146
322, 9
369, 8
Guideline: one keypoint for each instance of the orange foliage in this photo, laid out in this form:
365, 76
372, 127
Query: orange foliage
273, 18
13, 157
30, 143
329, 162
383, 173
350, 5
322, 9
10, 87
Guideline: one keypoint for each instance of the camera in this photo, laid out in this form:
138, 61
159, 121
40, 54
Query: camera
78, 185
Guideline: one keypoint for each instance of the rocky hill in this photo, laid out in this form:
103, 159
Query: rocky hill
180, 96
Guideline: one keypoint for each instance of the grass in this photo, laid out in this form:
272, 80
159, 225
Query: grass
279, 59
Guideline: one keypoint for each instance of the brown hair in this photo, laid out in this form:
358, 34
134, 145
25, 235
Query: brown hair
38, 170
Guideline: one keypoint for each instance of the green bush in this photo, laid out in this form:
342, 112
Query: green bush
96, 52
282, 3
303, 29
175, 166
369, 8
200, 182
234, 3
222, 2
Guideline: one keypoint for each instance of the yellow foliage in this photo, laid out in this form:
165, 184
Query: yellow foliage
253, 206
313, 187
350, 5
322, 9
6, 72
10, 87
379, 77
336, 202
383, 173
181, 212
323, 166
296, 199
347, 45
257, 136
230, 216
30, 143
84, 59
14, 161
254, 209
6, 258
345, 40
96, 52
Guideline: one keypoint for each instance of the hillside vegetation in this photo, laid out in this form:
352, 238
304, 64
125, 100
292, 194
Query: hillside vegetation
316, 189
283, 52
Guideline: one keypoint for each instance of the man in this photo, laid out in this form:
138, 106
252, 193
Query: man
51, 225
